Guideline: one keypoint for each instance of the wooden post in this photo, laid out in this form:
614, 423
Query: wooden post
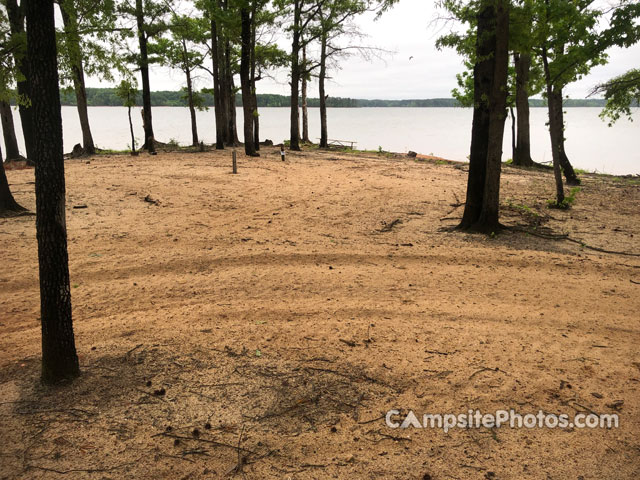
282, 154
235, 164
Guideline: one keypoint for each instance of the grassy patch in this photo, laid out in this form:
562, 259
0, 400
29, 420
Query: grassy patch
568, 201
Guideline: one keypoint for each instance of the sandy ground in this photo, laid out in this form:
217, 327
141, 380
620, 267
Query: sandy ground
282, 312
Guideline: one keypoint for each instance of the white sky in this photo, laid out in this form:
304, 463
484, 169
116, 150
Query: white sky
408, 30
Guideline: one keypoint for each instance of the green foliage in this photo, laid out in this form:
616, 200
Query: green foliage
179, 48
127, 92
569, 33
10, 46
568, 201
89, 40
621, 93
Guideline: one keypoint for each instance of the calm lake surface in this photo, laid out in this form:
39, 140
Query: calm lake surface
445, 132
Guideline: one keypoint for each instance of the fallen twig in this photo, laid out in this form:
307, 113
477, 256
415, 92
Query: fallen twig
485, 369
389, 226
83, 470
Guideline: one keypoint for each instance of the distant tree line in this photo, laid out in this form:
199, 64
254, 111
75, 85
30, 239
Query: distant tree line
108, 97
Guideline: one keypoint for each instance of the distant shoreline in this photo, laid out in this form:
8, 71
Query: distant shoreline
106, 97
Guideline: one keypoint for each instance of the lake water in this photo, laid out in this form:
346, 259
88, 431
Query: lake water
445, 132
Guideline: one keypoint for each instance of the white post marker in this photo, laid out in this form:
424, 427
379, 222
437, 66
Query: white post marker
282, 154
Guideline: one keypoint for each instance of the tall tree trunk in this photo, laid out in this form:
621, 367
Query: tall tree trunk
59, 359
488, 221
554, 100
233, 123
75, 53
231, 96
295, 76
324, 135
305, 110
7, 202
217, 85
254, 94
522, 156
483, 72
133, 138
149, 138
245, 83
16, 21
567, 168
192, 109
9, 132
513, 133
224, 83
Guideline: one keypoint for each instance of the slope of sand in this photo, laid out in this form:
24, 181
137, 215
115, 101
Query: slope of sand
283, 311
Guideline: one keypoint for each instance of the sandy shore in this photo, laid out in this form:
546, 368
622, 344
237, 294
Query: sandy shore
284, 310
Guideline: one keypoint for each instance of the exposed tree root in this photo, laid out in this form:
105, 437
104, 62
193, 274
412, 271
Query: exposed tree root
569, 239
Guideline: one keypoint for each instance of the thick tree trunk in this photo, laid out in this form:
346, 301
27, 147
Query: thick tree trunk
483, 72
554, 100
324, 135
8, 204
245, 82
149, 138
488, 221
16, 21
75, 53
567, 168
9, 132
522, 156
233, 123
83, 112
254, 95
59, 359
305, 109
224, 94
230, 96
295, 77
217, 87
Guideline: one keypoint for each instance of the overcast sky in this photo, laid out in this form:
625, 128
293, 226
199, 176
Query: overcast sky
408, 30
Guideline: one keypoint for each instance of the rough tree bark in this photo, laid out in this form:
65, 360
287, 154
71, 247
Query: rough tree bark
233, 124
324, 135
8, 204
295, 76
522, 156
59, 359
305, 109
483, 72
554, 100
71, 31
245, 82
254, 79
16, 14
488, 221
9, 132
567, 168
233, 140
149, 138
217, 87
